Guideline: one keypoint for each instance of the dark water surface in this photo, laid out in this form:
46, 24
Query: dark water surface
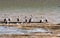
29, 6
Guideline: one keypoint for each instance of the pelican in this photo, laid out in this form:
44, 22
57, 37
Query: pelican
25, 19
18, 20
7, 20
30, 19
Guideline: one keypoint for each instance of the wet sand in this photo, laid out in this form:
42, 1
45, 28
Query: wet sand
28, 36
36, 31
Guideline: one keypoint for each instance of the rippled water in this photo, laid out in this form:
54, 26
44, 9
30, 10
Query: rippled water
14, 30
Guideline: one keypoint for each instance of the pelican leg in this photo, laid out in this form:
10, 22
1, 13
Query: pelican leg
40, 21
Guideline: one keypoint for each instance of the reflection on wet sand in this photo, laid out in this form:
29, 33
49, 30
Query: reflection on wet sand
14, 30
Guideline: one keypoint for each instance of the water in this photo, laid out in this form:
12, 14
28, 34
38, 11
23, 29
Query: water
29, 6
12, 8
14, 30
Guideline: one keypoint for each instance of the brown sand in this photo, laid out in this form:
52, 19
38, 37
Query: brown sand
28, 36
33, 25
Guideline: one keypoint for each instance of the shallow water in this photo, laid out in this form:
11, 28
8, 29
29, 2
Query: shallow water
14, 30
